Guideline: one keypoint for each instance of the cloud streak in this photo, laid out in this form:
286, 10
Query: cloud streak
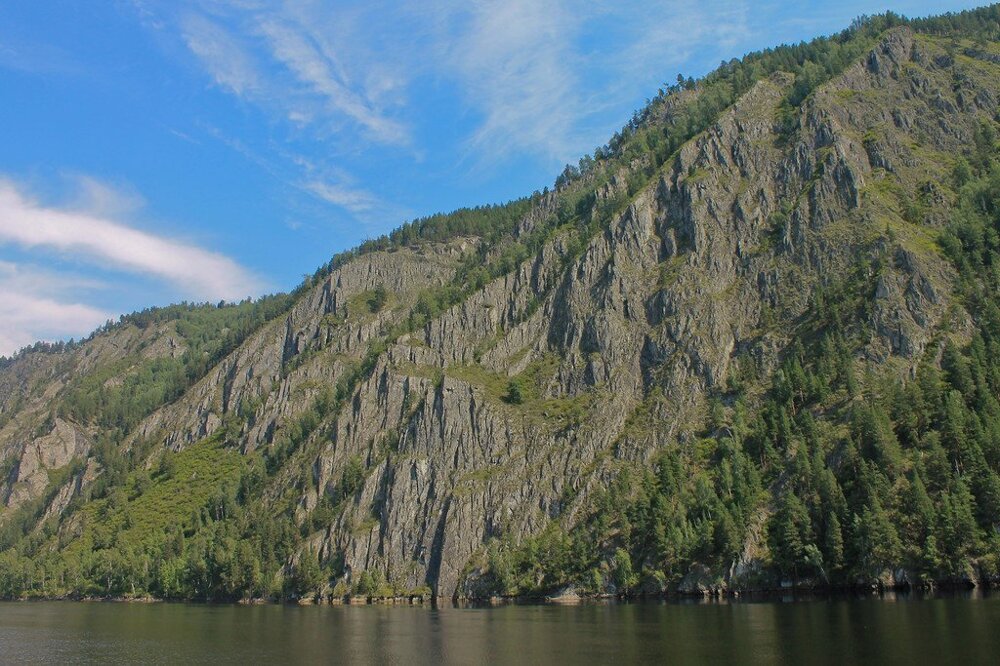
528, 67
200, 273
357, 201
515, 63
522, 73
227, 61
283, 59
31, 308
314, 65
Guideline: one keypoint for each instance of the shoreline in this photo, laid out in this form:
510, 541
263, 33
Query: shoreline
802, 593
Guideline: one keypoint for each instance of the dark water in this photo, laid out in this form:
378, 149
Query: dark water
897, 630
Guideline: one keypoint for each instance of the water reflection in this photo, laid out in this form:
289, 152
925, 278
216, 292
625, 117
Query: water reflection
897, 629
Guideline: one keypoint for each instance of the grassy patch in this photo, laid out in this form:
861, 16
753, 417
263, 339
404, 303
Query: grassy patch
162, 501
530, 395
368, 302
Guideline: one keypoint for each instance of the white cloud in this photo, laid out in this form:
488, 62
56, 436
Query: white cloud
314, 65
529, 67
200, 273
338, 189
549, 79
31, 307
355, 201
225, 58
102, 200
515, 62
668, 33
322, 181
284, 60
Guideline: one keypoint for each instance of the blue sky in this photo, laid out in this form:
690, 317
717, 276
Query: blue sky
154, 152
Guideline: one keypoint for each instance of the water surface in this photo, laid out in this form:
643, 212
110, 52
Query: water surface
893, 630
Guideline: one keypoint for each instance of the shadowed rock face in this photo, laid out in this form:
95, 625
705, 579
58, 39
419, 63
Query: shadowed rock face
715, 258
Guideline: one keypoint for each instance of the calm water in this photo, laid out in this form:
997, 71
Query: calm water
834, 631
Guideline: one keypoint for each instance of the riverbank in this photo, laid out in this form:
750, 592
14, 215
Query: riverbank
569, 597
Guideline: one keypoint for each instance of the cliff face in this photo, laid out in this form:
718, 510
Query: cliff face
665, 297
614, 348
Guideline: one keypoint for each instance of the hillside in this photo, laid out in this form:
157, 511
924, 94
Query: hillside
753, 341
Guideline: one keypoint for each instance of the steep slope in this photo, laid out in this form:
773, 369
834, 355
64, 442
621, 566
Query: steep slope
686, 367
58, 403
660, 303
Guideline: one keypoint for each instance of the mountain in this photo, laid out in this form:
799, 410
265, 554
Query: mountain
754, 341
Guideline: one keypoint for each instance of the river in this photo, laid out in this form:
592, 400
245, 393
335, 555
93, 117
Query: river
961, 629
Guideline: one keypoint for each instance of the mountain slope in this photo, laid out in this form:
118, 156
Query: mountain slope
749, 341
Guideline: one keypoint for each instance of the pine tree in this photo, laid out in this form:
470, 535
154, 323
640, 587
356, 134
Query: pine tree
953, 425
790, 531
877, 542
307, 576
833, 544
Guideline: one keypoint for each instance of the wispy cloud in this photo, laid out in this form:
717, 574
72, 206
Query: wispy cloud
337, 188
33, 306
284, 60
321, 181
226, 59
356, 201
668, 33
541, 79
529, 67
34, 57
314, 64
516, 64
106, 242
